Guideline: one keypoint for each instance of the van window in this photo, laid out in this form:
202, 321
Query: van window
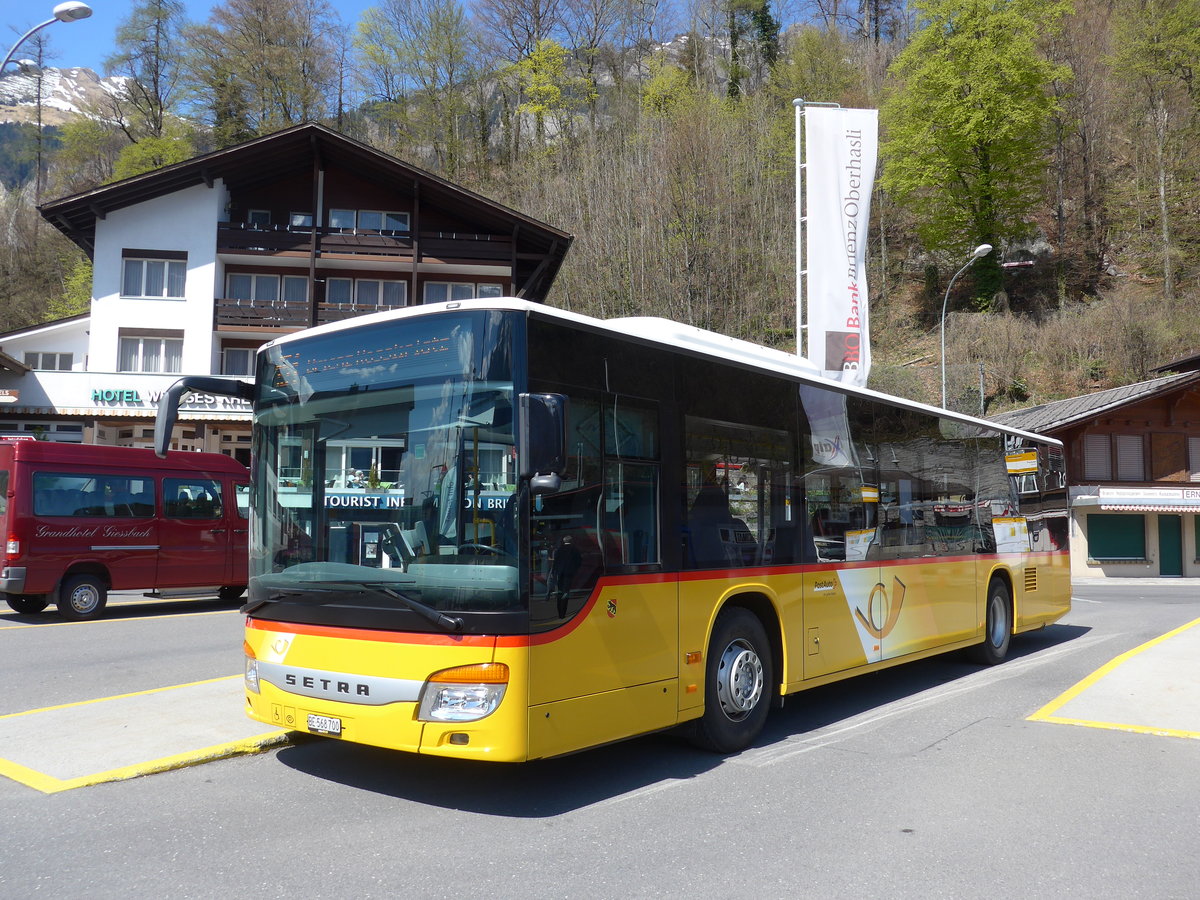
191, 498
242, 495
108, 496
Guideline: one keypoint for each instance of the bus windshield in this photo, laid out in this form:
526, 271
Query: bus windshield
385, 480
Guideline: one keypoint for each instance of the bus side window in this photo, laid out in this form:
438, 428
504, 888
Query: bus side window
566, 527
843, 494
737, 495
630, 504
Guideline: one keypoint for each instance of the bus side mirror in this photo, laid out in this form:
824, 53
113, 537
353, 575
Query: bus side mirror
168, 404
542, 440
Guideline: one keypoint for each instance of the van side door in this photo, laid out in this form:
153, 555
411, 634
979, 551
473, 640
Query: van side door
195, 533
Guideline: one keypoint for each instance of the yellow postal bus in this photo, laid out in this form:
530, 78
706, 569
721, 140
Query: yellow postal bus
495, 530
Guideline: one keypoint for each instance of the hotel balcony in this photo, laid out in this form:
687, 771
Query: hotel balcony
338, 243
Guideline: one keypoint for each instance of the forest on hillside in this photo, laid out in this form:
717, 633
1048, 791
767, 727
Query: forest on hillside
662, 138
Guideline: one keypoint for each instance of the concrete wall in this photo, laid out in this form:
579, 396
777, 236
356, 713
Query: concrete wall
185, 220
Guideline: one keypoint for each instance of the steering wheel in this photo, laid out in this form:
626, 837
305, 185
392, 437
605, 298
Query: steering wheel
480, 550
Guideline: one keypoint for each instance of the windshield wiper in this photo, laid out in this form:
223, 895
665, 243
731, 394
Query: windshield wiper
443, 621
304, 578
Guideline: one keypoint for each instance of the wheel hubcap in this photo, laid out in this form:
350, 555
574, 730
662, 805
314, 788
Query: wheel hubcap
739, 680
84, 599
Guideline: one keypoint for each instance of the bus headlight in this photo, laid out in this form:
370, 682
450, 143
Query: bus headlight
464, 693
251, 669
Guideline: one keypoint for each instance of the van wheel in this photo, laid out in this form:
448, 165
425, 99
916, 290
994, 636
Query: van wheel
997, 628
82, 597
27, 603
231, 592
738, 681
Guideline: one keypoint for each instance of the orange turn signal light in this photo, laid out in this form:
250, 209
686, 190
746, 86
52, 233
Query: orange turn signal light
248, 650
480, 673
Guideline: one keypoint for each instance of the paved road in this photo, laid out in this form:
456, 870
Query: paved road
928, 780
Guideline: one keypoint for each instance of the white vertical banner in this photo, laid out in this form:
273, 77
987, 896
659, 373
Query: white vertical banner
840, 150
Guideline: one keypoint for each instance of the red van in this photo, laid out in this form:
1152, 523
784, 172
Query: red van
81, 520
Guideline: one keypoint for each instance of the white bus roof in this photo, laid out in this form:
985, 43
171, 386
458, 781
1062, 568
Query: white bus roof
666, 333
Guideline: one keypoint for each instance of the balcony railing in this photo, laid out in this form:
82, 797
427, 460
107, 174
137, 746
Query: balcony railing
284, 313
240, 238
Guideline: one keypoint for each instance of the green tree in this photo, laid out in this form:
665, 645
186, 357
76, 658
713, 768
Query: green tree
417, 60
967, 123
152, 152
548, 91
148, 55
261, 65
76, 297
86, 156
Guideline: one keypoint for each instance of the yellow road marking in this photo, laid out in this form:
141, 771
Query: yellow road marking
48, 784
1046, 713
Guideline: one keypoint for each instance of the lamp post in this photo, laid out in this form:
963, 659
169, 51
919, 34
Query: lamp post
978, 253
71, 11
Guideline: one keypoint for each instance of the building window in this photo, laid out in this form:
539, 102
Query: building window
341, 218
378, 220
1131, 463
1194, 457
380, 293
1116, 537
366, 292
237, 361
339, 290
151, 352
265, 288
441, 291
153, 278
1097, 457
295, 288
300, 220
258, 218
252, 287
368, 220
50, 362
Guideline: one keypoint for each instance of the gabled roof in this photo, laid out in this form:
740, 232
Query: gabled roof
293, 151
1187, 364
1051, 417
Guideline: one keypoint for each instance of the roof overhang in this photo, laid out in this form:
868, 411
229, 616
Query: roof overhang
295, 151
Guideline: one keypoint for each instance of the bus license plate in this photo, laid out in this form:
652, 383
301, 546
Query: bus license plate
324, 724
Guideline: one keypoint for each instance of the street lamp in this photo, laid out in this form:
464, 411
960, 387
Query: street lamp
978, 253
71, 11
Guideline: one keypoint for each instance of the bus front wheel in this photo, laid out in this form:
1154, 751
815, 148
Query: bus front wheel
998, 625
28, 604
82, 597
738, 683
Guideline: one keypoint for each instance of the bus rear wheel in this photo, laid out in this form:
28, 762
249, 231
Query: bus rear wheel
998, 625
82, 597
738, 683
28, 604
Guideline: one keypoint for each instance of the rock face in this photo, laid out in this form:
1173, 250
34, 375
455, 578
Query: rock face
66, 93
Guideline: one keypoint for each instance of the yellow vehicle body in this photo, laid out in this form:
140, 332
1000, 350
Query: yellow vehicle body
633, 659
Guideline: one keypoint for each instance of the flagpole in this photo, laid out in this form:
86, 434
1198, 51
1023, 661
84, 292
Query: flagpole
798, 103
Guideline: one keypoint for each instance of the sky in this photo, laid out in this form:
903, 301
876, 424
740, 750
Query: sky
87, 42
